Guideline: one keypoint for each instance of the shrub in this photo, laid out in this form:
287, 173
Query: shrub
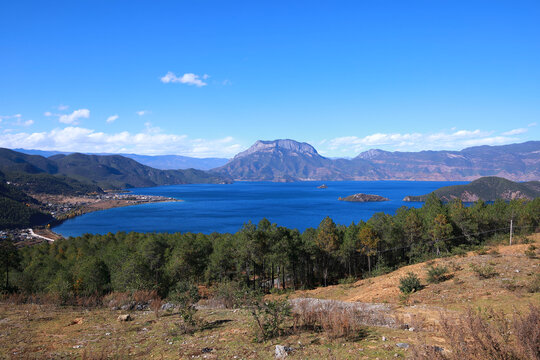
409, 283
534, 285
487, 335
531, 252
437, 274
270, 317
349, 280
335, 319
230, 294
484, 271
186, 295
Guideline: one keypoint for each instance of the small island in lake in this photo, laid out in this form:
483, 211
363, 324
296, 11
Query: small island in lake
323, 186
364, 198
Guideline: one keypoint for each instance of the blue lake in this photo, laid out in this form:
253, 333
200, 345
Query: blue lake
225, 208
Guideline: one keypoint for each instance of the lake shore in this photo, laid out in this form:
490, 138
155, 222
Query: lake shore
69, 207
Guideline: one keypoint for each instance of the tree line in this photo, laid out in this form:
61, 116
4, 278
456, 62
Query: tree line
262, 256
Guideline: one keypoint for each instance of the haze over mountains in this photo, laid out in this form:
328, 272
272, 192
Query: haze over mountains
288, 160
163, 162
108, 172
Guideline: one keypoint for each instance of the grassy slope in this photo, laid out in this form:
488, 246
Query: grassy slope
34, 331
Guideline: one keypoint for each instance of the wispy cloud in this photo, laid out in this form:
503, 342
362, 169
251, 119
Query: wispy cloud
516, 131
187, 78
62, 107
453, 140
142, 112
74, 117
6, 117
112, 118
151, 141
16, 120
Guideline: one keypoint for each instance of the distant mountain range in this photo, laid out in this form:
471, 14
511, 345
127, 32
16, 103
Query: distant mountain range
108, 172
488, 188
289, 160
162, 162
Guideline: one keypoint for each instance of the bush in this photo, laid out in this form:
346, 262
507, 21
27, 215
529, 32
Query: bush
487, 335
437, 274
531, 252
349, 280
409, 283
534, 285
484, 271
270, 317
186, 295
231, 294
335, 319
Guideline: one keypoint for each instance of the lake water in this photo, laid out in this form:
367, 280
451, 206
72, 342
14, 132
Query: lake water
211, 208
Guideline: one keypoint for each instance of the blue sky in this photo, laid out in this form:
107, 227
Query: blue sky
209, 78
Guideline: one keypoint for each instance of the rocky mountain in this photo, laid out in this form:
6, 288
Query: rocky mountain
489, 188
288, 160
109, 172
281, 160
520, 162
162, 162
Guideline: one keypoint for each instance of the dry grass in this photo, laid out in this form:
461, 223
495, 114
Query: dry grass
487, 335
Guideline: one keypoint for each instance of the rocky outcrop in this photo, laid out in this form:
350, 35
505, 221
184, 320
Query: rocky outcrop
364, 198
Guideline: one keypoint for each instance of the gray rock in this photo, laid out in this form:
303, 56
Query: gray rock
282, 352
402, 345
167, 306
384, 338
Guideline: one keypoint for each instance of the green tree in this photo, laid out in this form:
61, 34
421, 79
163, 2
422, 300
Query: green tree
328, 242
9, 259
368, 242
440, 230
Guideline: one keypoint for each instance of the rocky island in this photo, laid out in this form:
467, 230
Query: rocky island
323, 186
364, 198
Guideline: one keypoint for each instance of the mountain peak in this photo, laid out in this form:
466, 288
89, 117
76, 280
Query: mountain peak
280, 144
372, 153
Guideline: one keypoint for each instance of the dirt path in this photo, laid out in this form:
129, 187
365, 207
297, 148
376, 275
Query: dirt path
31, 231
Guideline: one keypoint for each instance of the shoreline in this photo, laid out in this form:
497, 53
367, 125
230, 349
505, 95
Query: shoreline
86, 205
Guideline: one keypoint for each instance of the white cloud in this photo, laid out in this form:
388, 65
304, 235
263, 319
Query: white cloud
112, 118
74, 117
6, 117
187, 78
532, 124
516, 131
62, 107
455, 140
48, 113
16, 120
142, 112
150, 142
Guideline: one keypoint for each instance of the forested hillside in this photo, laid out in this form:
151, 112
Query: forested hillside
18, 209
259, 253
487, 189
109, 172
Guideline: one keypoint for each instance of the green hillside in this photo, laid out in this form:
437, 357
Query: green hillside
18, 210
109, 172
489, 188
